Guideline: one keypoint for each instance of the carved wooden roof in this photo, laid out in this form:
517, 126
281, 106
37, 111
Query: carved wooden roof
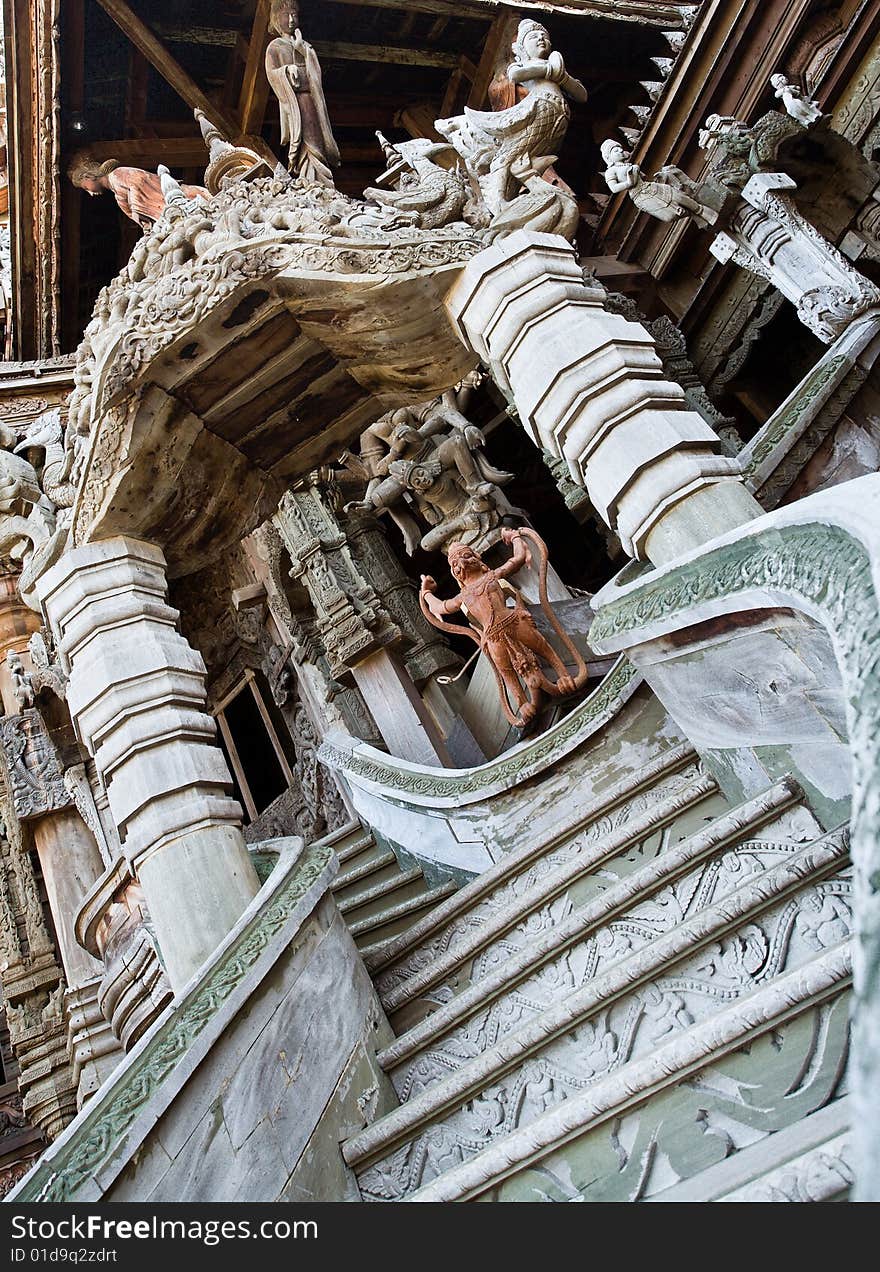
122, 76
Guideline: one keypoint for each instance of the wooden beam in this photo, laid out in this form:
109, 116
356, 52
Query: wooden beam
255, 85
149, 152
73, 75
497, 56
667, 16
342, 51
418, 118
33, 130
171, 71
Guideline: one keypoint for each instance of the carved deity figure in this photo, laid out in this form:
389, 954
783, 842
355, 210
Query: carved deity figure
294, 73
491, 142
503, 627
21, 681
139, 194
431, 459
669, 195
798, 104
36, 496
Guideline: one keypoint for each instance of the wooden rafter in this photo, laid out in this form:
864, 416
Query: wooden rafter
33, 118
167, 66
149, 152
255, 86
667, 16
73, 75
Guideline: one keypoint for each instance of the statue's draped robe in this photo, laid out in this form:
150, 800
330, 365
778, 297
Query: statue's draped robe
295, 77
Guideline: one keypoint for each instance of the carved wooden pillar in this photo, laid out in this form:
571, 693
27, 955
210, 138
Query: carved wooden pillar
769, 237
137, 696
589, 388
357, 632
70, 862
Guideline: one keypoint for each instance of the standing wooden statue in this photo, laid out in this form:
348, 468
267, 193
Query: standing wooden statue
506, 633
294, 73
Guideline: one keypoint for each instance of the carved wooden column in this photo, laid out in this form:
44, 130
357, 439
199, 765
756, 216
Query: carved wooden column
357, 632
590, 389
137, 696
768, 236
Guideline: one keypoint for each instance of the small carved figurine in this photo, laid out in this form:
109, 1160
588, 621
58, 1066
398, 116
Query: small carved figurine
669, 195
294, 73
507, 634
491, 142
21, 681
806, 110
431, 459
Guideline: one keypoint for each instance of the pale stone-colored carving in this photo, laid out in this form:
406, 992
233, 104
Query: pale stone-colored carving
46, 672
798, 104
432, 458
153, 742
768, 236
36, 496
668, 196
27, 518
432, 195
491, 142
542, 207
294, 73
35, 772
139, 193
33, 986
193, 259
507, 636
228, 163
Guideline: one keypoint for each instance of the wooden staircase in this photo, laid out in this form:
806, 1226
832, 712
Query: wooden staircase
577, 986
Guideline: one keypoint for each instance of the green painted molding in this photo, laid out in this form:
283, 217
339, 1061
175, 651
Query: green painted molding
524, 761
93, 1139
785, 421
826, 571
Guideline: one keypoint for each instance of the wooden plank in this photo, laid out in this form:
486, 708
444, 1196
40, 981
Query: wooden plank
73, 75
666, 16
21, 129
497, 56
171, 71
255, 85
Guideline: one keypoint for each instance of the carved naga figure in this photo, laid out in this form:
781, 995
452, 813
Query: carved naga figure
294, 73
506, 634
492, 142
36, 495
27, 518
